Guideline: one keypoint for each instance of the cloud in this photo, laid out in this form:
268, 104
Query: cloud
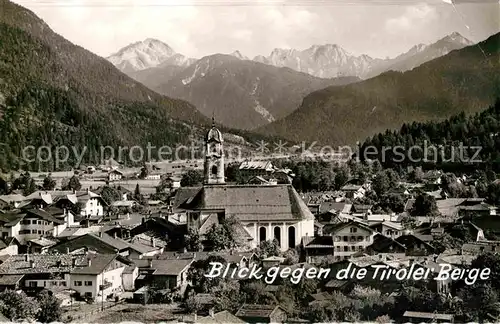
195, 28
414, 18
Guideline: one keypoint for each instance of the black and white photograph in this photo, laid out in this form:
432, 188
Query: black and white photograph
249, 161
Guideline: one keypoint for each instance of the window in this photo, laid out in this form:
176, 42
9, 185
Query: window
63, 283
353, 248
78, 283
360, 238
88, 294
337, 238
88, 283
354, 229
360, 248
345, 239
33, 284
346, 249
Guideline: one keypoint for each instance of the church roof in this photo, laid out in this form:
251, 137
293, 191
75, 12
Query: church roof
248, 202
214, 135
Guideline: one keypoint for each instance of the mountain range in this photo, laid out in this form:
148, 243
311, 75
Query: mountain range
247, 94
323, 61
331, 60
465, 80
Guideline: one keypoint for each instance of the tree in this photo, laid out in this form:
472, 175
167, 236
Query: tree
50, 307
191, 178
267, 249
197, 274
17, 306
425, 205
192, 240
73, 184
4, 187
385, 180
137, 195
25, 183
110, 194
192, 305
49, 183
416, 175
224, 236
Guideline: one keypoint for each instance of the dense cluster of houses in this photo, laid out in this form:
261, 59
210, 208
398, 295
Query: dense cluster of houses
48, 243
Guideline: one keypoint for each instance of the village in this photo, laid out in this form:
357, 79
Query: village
112, 243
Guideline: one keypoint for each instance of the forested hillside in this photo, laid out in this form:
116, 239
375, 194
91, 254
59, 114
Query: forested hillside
460, 143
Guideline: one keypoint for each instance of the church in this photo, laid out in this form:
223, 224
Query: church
265, 212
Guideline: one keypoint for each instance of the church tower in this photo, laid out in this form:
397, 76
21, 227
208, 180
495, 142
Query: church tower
214, 156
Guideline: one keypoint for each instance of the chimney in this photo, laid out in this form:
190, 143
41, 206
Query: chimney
143, 220
27, 257
89, 262
73, 262
150, 263
194, 255
100, 233
116, 235
211, 312
32, 264
153, 243
67, 250
435, 257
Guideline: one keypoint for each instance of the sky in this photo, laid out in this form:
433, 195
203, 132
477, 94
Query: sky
196, 28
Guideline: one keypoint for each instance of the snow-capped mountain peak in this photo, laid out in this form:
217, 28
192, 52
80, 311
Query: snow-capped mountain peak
238, 54
456, 38
144, 55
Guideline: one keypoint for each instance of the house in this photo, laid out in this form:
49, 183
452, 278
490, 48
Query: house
349, 237
387, 228
223, 317
272, 261
362, 210
163, 274
30, 224
249, 169
11, 282
385, 245
115, 175
163, 230
262, 314
419, 317
100, 276
90, 203
317, 249
88, 274
283, 176
9, 246
172, 182
40, 245
415, 245
475, 207
153, 176
11, 201
353, 191
258, 180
